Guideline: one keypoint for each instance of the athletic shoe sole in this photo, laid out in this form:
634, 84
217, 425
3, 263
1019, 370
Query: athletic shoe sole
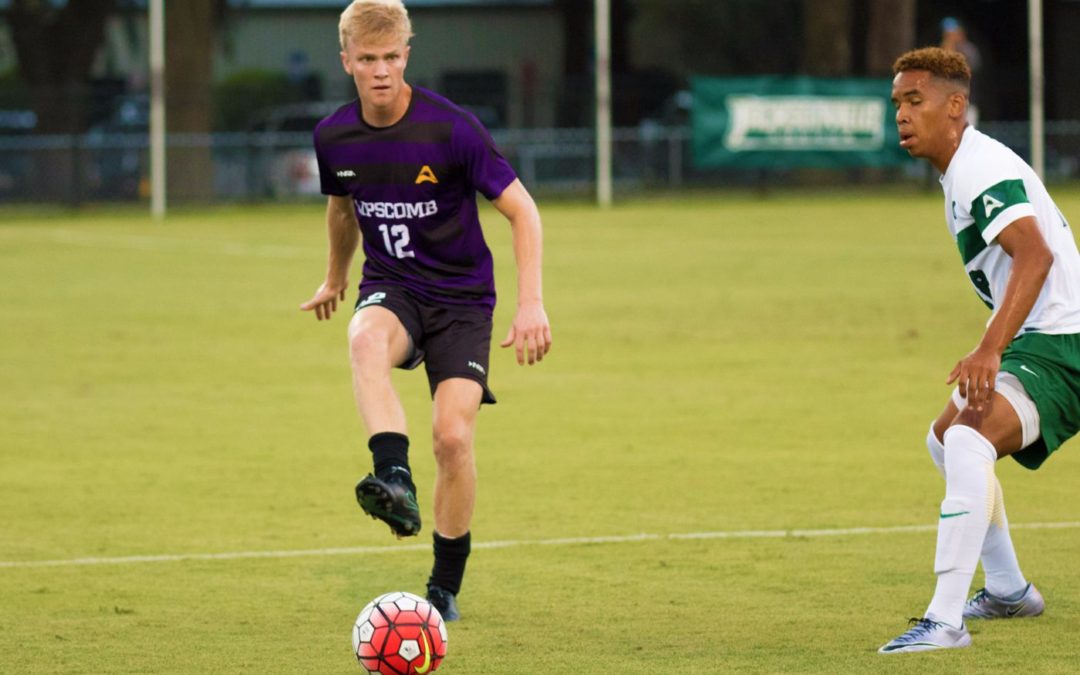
392, 507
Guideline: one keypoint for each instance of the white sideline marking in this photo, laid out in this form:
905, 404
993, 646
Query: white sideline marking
513, 543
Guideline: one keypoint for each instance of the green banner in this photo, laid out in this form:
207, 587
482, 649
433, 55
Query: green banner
786, 122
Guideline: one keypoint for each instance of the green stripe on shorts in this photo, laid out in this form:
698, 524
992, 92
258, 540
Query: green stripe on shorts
1049, 368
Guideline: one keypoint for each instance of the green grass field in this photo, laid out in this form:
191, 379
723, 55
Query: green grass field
731, 367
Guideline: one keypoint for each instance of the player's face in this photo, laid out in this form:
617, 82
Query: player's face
378, 70
927, 116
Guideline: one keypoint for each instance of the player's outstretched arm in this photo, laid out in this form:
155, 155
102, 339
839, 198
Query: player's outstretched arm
976, 373
344, 235
530, 332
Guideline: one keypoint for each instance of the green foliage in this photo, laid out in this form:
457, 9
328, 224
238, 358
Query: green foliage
13, 92
241, 94
720, 365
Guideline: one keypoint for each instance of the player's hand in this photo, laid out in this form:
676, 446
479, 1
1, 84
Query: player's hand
976, 374
530, 334
325, 300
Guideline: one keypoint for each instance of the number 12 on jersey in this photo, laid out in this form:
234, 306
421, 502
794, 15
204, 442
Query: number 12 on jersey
396, 239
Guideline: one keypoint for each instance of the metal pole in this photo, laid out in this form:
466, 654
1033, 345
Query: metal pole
157, 108
1035, 66
675, 178
603, 102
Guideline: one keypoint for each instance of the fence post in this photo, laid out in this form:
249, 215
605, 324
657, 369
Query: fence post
675, 157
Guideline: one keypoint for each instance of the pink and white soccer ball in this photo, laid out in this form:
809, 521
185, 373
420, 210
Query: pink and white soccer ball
399, 634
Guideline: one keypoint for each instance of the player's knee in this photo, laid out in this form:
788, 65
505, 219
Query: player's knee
366, 347
969, 416
452, 443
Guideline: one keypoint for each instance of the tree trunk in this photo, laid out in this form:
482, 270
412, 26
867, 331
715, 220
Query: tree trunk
890, 33
827, 38
190, 38
55, 48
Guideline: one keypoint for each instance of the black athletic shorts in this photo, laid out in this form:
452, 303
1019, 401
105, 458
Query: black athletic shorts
450, 340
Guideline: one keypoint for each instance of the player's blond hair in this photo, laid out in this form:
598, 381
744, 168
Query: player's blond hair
941, 63
375, 22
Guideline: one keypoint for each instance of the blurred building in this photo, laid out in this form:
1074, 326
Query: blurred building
527, 63
491, 55
501, 58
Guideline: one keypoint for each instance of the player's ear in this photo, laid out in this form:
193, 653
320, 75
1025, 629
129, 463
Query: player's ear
958, 103
345, 62
405, 54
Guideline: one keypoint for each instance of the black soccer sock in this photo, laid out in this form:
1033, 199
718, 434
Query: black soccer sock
389, 449
450, 558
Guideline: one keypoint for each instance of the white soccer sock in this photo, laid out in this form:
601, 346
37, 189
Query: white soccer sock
965, 516
1003, 575
937, 451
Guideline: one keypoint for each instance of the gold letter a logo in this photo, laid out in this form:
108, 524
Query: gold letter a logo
426, 175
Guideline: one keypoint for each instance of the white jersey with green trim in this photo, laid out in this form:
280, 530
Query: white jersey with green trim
987, 188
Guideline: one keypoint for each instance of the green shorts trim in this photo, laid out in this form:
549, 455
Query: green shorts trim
1049, 368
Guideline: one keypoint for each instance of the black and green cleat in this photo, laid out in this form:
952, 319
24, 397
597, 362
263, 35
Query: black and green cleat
392, 501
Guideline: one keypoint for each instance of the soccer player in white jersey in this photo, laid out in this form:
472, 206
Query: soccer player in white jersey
1018, 392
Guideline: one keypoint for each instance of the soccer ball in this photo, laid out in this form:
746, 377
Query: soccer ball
399, 634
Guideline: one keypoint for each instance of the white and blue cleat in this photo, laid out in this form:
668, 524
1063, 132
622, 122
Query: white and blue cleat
985, 606
927, 634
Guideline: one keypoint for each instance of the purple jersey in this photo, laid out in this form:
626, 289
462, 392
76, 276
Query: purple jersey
413, 186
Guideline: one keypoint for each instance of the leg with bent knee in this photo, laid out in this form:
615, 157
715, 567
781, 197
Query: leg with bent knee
965, 516
377, 343
1006, 593
972, 444
998, 557
965, 454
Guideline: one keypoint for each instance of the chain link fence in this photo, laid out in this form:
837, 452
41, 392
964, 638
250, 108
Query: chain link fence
108, 166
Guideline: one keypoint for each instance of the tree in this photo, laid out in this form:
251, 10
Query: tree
576, 99
56, 45
827, 38
190, 37
749, 37
55, 48
890, 32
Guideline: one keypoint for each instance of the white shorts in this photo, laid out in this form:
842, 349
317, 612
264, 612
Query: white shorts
1009, 386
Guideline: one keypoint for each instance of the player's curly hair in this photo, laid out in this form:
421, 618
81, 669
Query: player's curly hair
943, 63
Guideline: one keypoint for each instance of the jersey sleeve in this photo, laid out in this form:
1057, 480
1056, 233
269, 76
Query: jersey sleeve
996, 196
328, 181
485, 167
